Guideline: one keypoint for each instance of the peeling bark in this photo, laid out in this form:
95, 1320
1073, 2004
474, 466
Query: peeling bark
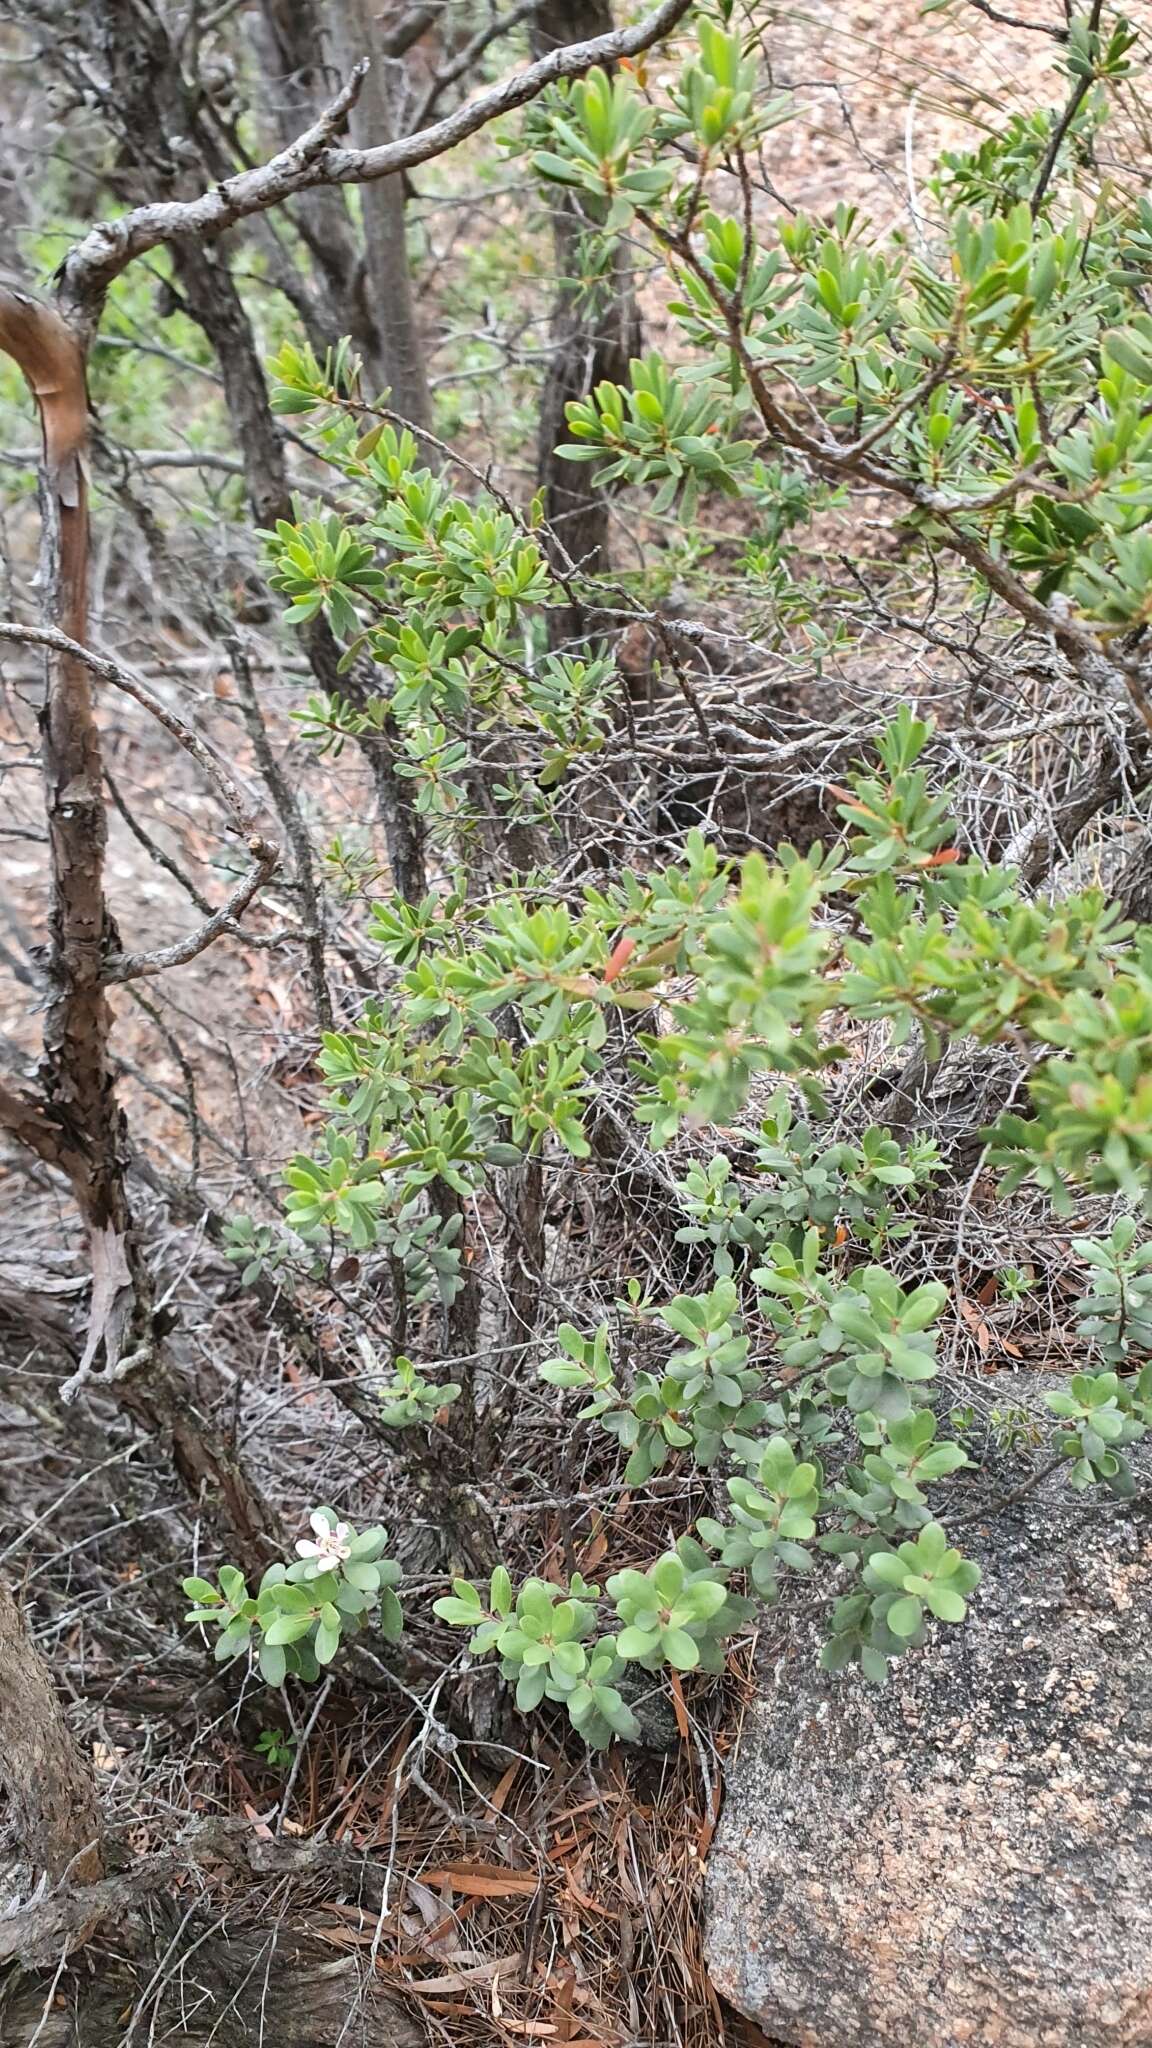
75, 1121
75, 1081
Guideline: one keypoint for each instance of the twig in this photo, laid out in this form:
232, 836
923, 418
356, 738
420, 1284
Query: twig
1009, 1500
295, 829
132, 966
1040, 28
464, 60
298, 1758
1075, 101
265, 853
154, 850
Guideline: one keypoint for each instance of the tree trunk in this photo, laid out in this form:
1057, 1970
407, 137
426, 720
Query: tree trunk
77, 1120
149, 92
376, 118
297, 69
51, 1794
594, 333
206, 1983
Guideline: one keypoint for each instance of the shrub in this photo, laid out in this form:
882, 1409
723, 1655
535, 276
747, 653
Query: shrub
994, 379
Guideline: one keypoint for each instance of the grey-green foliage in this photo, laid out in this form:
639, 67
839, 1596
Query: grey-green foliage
1102, 1414
735, 1222
873, 1336
275, 1747
261, 1250
705, 1396
852, 1356
886, 1488
339, 1584
901, 1588
678, 1614
428, 1249
773, 1517
410, 1401
545, 1636
1115, 1311
864, 1187
993, 374
425, 1246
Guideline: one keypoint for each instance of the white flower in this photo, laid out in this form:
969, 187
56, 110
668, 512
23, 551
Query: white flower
332, 1546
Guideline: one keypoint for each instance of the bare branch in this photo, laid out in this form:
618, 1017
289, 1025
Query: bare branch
265, 852
462, 63
241, 809
131, 966
1040, 28
296, 831
1081, 88
312, 160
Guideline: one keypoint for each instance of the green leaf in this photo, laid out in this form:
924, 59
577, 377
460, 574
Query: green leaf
885, 1565
288, 1628
273, 1663
458, 1612
904, 1616
681, 1649
391, 1616
327, 1642
1131, 350
945, 1604
560, 1373
365, 1576
530, 1687
635, 1642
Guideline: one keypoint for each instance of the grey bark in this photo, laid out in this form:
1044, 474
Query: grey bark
152, 100
207, 1984
593, 335
51, 1794
297, 62
377, 117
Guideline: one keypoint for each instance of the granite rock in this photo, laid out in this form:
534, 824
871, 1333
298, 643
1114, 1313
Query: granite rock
965, 1856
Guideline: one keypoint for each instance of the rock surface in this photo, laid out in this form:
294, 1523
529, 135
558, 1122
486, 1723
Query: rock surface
964, 1857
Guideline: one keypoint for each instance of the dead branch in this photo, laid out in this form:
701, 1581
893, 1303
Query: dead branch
132, 966
266, 854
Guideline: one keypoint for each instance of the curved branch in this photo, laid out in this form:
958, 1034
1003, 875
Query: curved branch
132, 966
312, 160
241, 809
